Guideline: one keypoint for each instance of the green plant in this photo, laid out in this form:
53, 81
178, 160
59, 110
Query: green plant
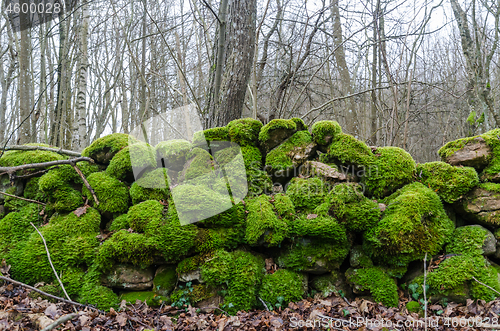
182, 297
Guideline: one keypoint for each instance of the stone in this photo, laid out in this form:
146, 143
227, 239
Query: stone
481, 206
475, 153
128, 277
191, 276
333, 283
322, 170
490, 242
5, 185
165, 280
358, 258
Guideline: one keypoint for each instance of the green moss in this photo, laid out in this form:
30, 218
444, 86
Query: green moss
125, 247
213, 134
487, 275
66, 199
171, 239
282, 287
103, 149
381, 286
94, 293
65, 175
140, 215
307, 193
275, 124
32, 192
212, 239
218, 269
413, 223
449, 182
327, 284
152, 299
233, 217
72, 279
259, 182
15, 227
390, 169
413, 306
193, 294
324, 131
139, 156
153, 185
262, 224
301, 125
173, 153
13, 204
244, 131
492, 187
280, 158
284, 206
467, 240
308, 254
348, 150
318, 226
193, 262
165, 280
112, 194
120, 223
199, 163
351, 208
252, 157
16, 158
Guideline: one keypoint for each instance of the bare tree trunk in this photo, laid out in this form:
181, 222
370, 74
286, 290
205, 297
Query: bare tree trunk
80, 136
24, 83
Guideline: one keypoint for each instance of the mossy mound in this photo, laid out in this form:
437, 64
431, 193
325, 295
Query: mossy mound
131, 160
380, 286
16, 158
199, 163
414, 223
15, 227
139, 216
276, 131
212, 239
467, 240
112, 194
324, 132
307, 193
104, 149
263, 227
165, 280
202, 138
319, 226
449, 182
390, 169
65, 175
119, 223
153, 185
173, 153
282, 287
252, 158
347, 150
244, 131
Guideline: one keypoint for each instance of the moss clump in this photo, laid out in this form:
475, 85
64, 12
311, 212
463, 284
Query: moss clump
112, 194
413, 223
199, 163
307, 194
244, 131
32, 192
153, 185
125, 247
277, 124
284, 206
413, 306
171, 239
308, 254
263, 225
212, 239
218, 269
103, 149
301, 125
348, 150
391, 168
66, 199
233, 217
63, 176
120, 223
140, 215
152, 299
131, 159
377, 282
467, 240
282, 287
252, 157
15, 227
94, 293
13, 204
351, 208
259, 182
16, 158
165, 280
492, 187
449, 182
191, 294
173, 153
208, 135
281, 158
321, 226
324, 131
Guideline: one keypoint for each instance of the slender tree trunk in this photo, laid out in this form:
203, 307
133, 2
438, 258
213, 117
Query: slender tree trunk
24, 83
80, 136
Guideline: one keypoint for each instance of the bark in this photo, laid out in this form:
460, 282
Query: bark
80, 137
24, 82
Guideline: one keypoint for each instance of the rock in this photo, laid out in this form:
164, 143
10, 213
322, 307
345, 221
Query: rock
210, 305
322, 170
165, 280
333, 283
276, 132
173, 153
358, 258
5, 185
490, 242
128, 277
481, 205
190, 276
475, 153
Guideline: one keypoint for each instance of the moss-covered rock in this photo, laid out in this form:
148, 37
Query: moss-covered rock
112, 194
414, 223
390, 169
481, 205
325, 131
140, 215
275, 132
327, 172
213, 134
165, 280
374, 280
15, 227
119, 223
173, 153
333, 283
199, 163
263, 227
19, 157
282, 287
66, 199
92, 292
471, 240
105, 148
130, 160
233, 217
320, 226
153, 185
347, 150
307, 193
449, 182
259, 182
212, 239
244, 131
151, 298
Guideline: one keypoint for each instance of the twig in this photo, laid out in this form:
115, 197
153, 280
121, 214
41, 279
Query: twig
486, 285
41, 148
85, 182
225, 312
50, 261
10, 170
60, 320
7, 279
24, 199
263, 303
425, 293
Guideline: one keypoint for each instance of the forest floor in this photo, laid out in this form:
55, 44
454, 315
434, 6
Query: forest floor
18, 311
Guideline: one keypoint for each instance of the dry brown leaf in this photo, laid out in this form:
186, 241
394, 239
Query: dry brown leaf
52, 311
80, 211
312, 216
122, 319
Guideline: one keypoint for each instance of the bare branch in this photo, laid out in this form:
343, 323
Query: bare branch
24, 199
41, 148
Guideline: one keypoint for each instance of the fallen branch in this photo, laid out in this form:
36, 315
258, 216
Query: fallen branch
491, 288
11, 170
50, 261
24, 199
41, 148
425, 292
60, 320
7, 279
265, 305
85, 182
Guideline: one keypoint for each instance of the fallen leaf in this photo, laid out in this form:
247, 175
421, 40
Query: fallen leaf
52, 311
311, 216
122, 319
80, 211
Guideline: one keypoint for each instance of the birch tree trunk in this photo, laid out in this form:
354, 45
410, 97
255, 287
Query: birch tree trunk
24, 82
80, 136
